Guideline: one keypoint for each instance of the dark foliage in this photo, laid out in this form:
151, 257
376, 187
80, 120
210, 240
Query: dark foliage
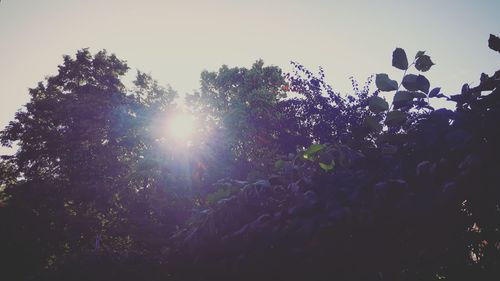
313, 186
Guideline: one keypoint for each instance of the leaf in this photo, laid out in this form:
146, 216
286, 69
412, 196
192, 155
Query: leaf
402, 97
220, 194
465, 89
278, 165
423, 84
458, 138
373, 124
443, 113
419, 54
434, 92
325, 156
494, 43
399, 59
414, 82
384, 83
312, 150
456, 98
395, 118
377, 104
423, 63
410, 82
419, 95
327, 167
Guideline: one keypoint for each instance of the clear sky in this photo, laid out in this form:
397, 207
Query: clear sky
176, 40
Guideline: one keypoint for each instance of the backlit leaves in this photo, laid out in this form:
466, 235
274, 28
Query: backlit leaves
384, 83
312, 150
395, 118
278, 165
399, 59
423, 63
494, 43
377, 104
419, 54
434, 92
327, 167
414, 82
402, 97
372, 124
419, 95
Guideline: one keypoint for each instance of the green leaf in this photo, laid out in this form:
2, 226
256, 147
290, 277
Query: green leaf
423, 63
327, 167
419, 54
377, 104
395, 118
373, 124
325, 156
384, 83
399, 59
220, 194
312, 150
414, 82
278, 165
402, 97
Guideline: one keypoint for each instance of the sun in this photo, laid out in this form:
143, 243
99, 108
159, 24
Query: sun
181, 127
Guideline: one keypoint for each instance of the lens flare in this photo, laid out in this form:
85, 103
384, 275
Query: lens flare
181, 127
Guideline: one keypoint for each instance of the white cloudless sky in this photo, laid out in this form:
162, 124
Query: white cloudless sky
175, 40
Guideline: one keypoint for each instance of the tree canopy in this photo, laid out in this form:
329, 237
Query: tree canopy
284, 179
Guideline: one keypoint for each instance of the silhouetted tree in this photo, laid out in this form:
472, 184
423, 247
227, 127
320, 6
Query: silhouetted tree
87, 175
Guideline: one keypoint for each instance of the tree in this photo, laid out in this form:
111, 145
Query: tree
84, 172
240, 105
319, 114
362, 189
417, 200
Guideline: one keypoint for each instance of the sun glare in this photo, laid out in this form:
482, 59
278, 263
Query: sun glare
181, 127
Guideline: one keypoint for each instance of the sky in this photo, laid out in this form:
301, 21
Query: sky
175, 40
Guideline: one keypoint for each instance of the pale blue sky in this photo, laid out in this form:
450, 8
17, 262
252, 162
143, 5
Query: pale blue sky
176, 40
